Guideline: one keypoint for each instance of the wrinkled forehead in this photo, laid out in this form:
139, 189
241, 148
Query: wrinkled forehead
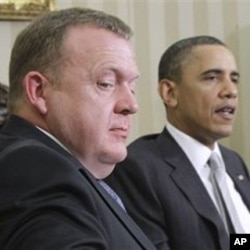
89, 37
97, 44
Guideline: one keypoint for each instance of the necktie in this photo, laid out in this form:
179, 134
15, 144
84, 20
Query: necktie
226, 207
112, 193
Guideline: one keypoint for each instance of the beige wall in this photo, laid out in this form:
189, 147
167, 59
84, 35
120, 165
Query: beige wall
157, 24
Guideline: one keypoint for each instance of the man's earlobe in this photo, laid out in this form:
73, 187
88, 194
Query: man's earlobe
167, 91
34, 84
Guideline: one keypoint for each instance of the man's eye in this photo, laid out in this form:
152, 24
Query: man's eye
105, 84
235, 80
211, 77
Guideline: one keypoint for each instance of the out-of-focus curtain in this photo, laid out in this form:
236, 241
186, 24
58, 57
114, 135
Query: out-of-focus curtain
157, 24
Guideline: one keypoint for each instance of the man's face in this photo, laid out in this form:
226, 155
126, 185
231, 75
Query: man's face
90, 111
207, 94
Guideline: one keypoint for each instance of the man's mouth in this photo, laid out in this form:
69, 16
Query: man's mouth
120, 131
226, 112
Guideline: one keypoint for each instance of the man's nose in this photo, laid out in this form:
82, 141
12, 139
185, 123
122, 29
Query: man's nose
127, 102
230, 89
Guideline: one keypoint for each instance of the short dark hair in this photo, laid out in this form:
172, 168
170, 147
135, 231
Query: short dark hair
170, 66
39, 46
3, 104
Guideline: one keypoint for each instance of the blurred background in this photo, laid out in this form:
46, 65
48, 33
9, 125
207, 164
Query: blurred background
157, 24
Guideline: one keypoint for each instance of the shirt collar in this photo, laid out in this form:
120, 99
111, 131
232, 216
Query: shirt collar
53, 138
197, 153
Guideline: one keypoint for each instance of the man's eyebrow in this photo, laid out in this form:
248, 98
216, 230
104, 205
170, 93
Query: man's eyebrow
117, 72
135, 78
219, 71
214, 71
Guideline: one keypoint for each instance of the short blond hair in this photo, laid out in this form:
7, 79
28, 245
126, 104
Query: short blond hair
39, 46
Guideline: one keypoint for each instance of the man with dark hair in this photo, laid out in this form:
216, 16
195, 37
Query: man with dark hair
3, 104
72, 79
185, 190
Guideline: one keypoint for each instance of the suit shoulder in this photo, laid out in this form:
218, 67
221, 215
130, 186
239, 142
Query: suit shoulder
144, 140
227, 152
33, 163
10, 144
232, 157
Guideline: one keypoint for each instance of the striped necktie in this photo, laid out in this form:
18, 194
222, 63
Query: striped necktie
224, 201
112, 193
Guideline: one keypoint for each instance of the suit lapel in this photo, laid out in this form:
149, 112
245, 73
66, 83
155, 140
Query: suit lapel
119, 213
188, 181
239, 174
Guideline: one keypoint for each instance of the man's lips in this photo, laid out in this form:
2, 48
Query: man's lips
120, 131
226, 111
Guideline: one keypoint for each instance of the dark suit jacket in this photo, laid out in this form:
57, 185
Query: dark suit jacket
49, 201
165, 196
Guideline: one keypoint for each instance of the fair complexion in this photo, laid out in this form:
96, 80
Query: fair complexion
204, 102
89, 108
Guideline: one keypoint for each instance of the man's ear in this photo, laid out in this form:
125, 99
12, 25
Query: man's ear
34, 84
168, 92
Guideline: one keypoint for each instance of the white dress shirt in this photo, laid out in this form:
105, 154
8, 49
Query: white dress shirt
198, 154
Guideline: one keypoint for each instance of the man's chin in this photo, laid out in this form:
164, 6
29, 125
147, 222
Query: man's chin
224, 133
115, 155
120, 156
